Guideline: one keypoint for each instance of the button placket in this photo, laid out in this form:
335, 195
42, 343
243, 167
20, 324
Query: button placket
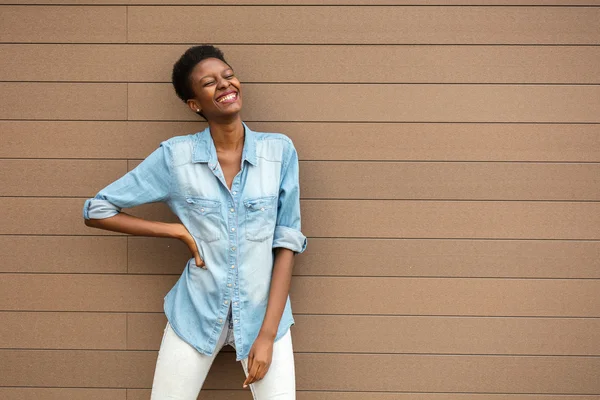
233, 238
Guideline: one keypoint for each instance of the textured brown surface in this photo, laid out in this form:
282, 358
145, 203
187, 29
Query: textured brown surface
386, 103
344, 179
63, 101
214, 394
318, 140
344, 25
46, 177
143, 394
452, 219
355, 218
77, 24
75, 254
334, 371
62, 393
308, 63
405, 257
63, 330
319, 295
414, 334
449, 162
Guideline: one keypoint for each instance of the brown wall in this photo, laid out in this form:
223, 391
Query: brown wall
449, 169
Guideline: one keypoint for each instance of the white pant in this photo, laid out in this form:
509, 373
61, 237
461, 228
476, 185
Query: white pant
181, 369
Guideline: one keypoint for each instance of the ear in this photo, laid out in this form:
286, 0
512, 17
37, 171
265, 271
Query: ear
193, 105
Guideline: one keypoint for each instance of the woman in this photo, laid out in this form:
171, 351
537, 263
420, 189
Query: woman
236, 194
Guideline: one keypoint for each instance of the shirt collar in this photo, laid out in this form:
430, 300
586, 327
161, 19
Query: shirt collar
205, 151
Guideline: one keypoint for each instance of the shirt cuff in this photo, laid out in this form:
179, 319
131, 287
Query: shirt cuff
99, 209
289, 238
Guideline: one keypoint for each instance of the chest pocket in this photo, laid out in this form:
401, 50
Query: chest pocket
205, 217
261, 216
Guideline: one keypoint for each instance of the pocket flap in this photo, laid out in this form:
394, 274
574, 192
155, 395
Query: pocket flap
260, 203
204, 203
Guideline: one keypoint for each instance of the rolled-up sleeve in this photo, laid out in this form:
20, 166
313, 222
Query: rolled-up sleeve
288, 227
149, 182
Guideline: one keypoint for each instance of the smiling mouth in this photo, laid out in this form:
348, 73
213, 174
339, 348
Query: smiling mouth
228, 98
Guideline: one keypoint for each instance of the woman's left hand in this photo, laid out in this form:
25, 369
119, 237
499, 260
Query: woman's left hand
259, 359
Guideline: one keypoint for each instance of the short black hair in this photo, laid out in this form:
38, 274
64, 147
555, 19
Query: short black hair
182, 69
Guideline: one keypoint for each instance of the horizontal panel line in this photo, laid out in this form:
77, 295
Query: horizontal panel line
457, 200
327, 83
296, 44
438, 238
574, 395
353, 199
323, 237
452, 316
306, 122
486, 393
31, 349
166, 44
315, 276
320, 44
330, 315
483, 5
326, 160
121, 313
246, 4
394, 161
365, 199
125, 236
376, 122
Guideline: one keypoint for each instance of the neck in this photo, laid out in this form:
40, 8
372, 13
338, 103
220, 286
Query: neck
227, 135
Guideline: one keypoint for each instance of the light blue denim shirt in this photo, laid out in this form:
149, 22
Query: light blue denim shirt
235, 230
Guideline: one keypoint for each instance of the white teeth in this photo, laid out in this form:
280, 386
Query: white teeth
228, 97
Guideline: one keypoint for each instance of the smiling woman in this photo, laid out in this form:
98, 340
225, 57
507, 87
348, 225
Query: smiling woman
236, 193
196, 77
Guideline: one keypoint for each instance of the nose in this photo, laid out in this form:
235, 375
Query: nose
223, 83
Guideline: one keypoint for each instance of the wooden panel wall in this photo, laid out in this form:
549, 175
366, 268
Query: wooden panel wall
450, 154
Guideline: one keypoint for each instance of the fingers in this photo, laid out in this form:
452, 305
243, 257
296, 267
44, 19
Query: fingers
199, 261
249, 367
256, 372
188, 239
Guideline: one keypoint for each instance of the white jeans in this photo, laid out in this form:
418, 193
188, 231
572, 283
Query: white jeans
181, 369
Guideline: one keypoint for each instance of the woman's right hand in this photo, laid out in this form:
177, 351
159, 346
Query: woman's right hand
184, 235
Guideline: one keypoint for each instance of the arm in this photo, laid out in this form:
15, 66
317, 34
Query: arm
288, 240
149, 182
278, 292
125, 223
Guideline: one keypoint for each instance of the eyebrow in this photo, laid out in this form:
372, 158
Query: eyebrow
208, 76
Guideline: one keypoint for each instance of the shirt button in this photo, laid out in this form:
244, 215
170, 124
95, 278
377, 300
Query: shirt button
235, 320
229, 285
202, 209
235, 303
232, 229
220, 320
226, 302
233, 266
261, 209
232, 210
233, 248
234, 192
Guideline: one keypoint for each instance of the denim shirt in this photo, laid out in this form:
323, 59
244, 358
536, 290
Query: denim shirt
235, 230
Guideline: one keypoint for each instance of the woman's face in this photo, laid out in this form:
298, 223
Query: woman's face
218, 93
